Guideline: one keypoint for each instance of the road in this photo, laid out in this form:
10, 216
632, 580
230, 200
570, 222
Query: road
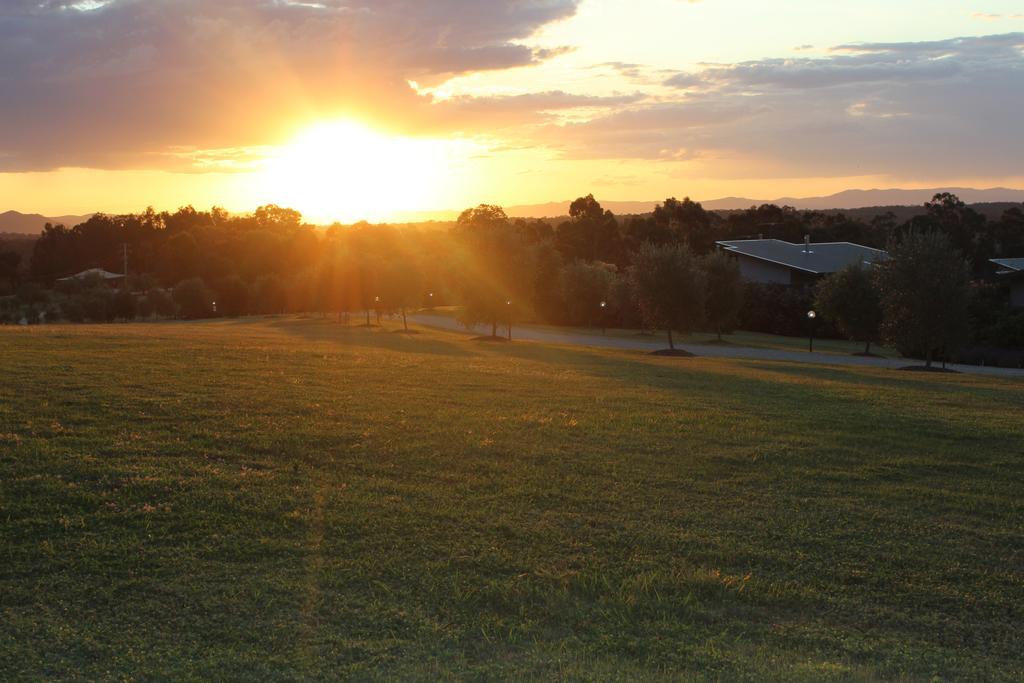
550, 336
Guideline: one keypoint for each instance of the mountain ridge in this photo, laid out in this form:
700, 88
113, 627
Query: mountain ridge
17, 223
847, 199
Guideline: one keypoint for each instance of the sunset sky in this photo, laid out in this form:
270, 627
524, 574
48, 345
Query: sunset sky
349, 109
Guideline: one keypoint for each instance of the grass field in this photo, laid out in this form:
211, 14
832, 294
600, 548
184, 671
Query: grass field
294, 499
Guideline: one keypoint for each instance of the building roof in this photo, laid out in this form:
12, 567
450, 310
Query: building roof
92, 273
818, 258
1008, 266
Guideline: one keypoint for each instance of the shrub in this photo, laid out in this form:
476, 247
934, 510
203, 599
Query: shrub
193, 299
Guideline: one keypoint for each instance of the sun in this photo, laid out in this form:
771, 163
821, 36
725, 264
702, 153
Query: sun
346, 171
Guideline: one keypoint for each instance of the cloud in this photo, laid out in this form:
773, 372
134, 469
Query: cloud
117, 83
925, 109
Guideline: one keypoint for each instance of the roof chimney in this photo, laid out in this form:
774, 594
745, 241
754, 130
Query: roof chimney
807, 244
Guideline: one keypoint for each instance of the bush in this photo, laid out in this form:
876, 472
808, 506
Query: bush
232, 297
98, 304
72, 309
269, 295
194, 300
123, 305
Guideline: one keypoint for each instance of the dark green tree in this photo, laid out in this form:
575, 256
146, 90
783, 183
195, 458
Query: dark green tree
688, 222
232, 297
584, 287
590, 234
851, 300
724, 299
9, 262
495, 265
670, 288
193, 299
925, 295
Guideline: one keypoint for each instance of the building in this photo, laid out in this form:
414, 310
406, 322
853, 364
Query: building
112, 279
784, 263
1012, 270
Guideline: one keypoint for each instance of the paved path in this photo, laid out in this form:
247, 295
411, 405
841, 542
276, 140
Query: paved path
552, 336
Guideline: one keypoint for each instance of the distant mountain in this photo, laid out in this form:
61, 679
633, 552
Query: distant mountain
32, 223
849, 199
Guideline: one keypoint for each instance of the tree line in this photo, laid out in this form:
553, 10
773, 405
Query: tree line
592, 269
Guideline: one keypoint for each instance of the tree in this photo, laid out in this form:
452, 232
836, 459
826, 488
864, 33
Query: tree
157, 302
688, 222
925, 295
194, 300
584, 287
123, 305
9, 262
590, 234
495, 266
724, 291
483, 219
670, 288
851, 300
269, 295
402, 287
232, 297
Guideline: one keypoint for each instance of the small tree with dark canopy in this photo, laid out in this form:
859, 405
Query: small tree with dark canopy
232, 297
194, 300
670, 288
925, 295
402, 286
9, 262
590, 234
851, 300
724, 292
495, 265
584, 287
689, 222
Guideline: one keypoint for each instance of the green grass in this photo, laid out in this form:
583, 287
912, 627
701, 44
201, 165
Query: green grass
294, 499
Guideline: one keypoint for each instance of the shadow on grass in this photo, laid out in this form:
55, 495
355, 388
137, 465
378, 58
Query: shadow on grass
328, 330
802, 399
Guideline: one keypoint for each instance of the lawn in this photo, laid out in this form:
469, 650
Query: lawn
297, 499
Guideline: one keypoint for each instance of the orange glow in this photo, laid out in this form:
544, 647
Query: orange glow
346, 171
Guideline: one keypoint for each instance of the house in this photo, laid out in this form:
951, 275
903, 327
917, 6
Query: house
112, 279
771, 261
1012, 270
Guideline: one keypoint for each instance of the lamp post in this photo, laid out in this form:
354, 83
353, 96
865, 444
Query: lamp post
376, 301
811, 315
430, 298
214, 307
604, 322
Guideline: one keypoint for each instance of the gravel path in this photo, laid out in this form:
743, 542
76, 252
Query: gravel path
528, 333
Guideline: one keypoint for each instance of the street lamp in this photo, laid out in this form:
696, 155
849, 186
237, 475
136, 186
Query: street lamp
509, 305
604, 323
811, 315
214, 306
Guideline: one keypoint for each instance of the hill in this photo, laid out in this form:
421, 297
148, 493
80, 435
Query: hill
32, 223
849, 199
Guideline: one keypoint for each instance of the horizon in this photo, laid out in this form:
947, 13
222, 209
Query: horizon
337, 114
731, 203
